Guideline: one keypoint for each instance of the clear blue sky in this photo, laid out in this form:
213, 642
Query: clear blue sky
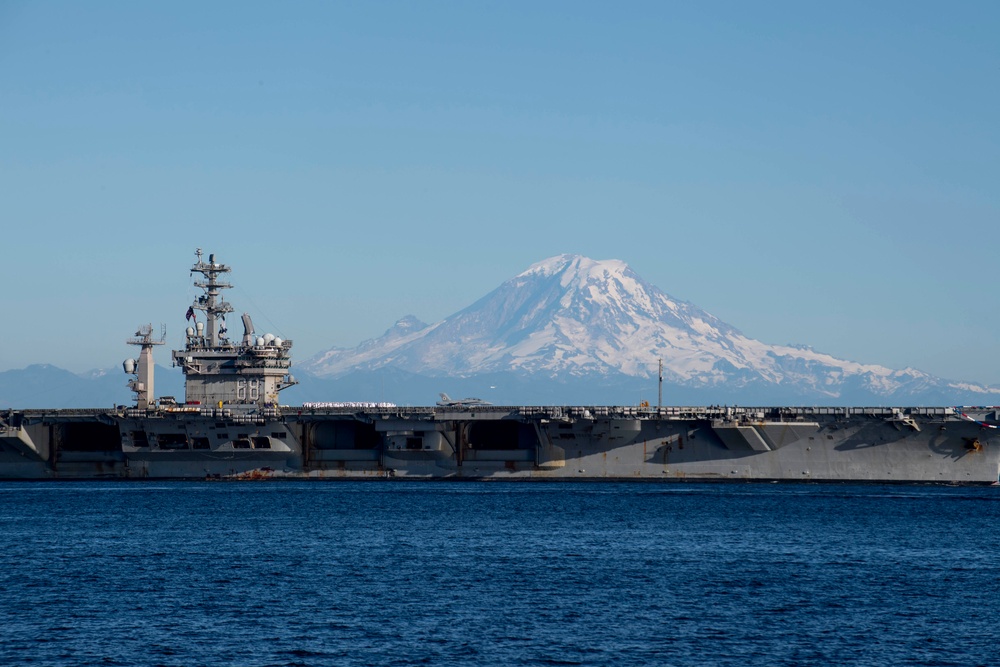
816, 173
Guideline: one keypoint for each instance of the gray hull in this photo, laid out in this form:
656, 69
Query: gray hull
939, 445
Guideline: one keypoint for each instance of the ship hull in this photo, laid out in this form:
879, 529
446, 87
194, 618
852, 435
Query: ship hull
925, 445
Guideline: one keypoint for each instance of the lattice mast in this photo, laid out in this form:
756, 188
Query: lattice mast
211, 302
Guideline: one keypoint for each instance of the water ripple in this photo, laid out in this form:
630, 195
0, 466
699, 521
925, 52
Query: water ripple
506, 574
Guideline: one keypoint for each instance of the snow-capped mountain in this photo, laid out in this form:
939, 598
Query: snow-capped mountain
570, 318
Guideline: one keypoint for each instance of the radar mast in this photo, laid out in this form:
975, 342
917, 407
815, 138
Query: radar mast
211, 302
143, 369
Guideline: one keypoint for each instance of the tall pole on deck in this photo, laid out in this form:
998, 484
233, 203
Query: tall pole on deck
659, 395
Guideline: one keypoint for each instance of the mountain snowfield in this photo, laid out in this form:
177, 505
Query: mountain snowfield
570, 318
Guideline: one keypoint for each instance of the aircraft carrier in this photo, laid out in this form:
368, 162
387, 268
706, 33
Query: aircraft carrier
231, 425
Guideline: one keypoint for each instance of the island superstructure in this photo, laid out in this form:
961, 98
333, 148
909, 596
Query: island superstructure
218, 371
231, 425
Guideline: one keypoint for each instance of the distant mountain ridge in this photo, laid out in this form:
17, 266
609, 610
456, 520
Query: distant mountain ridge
43, 386
570, 318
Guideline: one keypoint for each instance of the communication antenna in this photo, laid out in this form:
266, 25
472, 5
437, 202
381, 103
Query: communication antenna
659, 396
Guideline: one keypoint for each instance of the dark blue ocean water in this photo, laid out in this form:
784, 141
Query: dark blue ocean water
399, 573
